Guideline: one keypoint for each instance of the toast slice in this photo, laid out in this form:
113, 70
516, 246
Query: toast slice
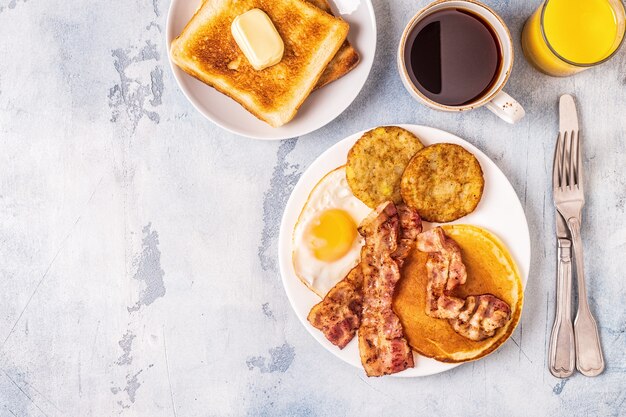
207, 50
343, 62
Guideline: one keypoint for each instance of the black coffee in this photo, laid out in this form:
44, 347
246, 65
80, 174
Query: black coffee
453, 57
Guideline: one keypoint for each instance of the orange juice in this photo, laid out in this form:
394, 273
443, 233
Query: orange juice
564, 37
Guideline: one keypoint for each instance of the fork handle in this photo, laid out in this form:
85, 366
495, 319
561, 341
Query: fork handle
562, 351
589, 360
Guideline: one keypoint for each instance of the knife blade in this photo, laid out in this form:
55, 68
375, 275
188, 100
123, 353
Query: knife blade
568, 116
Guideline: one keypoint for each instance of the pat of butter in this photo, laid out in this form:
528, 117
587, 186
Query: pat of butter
258, 38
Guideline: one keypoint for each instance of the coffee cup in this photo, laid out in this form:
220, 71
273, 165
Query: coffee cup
457, 55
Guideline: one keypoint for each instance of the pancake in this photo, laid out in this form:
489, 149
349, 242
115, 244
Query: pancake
490, 269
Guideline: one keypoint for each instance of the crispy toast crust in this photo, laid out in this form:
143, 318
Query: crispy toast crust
206, 50
343, 62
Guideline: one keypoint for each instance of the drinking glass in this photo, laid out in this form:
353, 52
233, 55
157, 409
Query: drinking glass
564, 37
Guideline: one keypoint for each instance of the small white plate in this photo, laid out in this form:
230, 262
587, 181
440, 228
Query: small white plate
499, 211
319, 109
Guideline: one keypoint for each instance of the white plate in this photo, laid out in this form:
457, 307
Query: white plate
319, 109
499, 211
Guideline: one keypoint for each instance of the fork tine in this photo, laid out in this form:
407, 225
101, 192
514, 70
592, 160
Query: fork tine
556, 164
567, 160
579, 162
563, 160
573, 160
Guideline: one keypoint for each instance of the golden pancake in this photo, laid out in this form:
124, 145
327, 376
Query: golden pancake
490, 269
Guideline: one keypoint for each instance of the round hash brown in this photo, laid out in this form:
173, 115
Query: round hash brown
376, 163
443, 182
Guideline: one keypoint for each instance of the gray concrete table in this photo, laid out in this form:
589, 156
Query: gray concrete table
138, 271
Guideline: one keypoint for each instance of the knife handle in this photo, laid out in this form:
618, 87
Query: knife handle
562, 351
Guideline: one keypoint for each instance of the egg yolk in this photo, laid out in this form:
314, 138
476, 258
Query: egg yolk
331, 234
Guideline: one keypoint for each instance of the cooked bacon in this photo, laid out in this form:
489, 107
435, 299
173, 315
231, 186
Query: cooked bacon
410, 222
481, 316
382, 224
477, 317
410, 227
338, 315
382, 345
445, 270
449, 307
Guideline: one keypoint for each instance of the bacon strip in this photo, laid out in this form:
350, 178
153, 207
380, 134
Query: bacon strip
382, 345
446, 271
477, 317
410, 228
338, 315
481, 316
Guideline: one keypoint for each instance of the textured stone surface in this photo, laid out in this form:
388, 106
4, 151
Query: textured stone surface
138, 270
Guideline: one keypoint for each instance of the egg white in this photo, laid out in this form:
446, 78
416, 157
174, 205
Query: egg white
331, 192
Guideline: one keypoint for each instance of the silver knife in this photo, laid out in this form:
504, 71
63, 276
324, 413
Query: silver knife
562, 352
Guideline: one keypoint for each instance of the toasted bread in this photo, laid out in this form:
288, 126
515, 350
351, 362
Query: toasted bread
344, 61
490, 270
206, 50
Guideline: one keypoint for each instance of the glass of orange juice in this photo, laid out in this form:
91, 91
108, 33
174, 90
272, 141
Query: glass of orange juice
564, 37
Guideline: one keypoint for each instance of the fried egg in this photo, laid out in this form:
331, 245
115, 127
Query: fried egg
326, 242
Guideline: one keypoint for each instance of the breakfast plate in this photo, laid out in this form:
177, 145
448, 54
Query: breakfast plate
320, 108
499, 211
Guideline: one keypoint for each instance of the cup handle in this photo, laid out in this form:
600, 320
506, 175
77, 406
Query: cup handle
506, 107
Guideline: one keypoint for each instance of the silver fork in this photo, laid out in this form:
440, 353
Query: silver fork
569, 198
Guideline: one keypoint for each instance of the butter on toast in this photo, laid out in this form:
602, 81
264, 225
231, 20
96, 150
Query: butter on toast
343, 62
207, 50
